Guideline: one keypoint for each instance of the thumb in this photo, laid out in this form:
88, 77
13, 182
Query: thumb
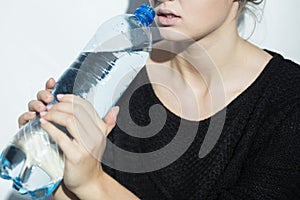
111, 118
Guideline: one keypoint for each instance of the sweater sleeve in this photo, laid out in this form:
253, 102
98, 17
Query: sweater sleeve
274, 171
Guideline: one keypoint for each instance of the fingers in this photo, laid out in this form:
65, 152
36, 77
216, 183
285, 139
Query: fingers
50, 84
24, 118
63, 119
77, 115
45, 96
84, 111
36, 106
74, 113
80, 105
59, 137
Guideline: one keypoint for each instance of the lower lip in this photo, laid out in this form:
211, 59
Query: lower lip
167, 21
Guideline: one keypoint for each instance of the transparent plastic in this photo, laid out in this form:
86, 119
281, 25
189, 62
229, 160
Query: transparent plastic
100, 74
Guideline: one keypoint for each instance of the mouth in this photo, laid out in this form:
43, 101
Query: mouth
166, 13
167, 17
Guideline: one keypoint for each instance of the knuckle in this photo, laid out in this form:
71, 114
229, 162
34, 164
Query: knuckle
31, 102
40, 94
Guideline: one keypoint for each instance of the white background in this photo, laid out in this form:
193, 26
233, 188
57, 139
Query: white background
40, 39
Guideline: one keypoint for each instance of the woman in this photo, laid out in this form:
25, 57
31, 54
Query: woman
227, 114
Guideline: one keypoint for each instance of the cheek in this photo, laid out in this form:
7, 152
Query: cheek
204, 16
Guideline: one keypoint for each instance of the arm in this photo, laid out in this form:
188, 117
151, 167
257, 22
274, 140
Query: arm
83, 173
105, 187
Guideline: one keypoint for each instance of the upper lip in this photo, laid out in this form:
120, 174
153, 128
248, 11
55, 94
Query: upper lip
163, 12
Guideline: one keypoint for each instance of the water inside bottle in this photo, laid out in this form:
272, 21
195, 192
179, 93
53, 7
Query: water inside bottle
97, 76
32, 160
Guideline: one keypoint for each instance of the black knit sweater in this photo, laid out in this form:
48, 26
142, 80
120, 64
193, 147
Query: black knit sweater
256, 156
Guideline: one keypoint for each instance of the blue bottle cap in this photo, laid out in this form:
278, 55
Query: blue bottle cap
145, 14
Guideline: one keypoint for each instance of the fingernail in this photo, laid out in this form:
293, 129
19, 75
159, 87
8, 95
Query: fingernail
31, 113
60, 96
43, 113
48, 96
43, 121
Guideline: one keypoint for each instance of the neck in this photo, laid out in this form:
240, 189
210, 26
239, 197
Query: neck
211, 57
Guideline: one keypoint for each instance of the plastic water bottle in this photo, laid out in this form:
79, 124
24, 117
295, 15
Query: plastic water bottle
101, 73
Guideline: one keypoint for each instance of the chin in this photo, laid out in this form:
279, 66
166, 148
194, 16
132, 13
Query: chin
172, 35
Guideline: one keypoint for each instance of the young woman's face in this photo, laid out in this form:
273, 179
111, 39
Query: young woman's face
193, 19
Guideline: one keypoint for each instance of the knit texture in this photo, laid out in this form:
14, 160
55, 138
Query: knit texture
257, 155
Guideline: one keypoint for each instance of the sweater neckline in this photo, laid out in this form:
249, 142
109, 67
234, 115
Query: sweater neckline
260, 81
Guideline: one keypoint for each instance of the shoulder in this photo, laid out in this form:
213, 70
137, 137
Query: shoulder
287, 68
282, 99
278, 135
276, 92
283, 79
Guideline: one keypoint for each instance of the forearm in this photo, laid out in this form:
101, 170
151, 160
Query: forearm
105, 187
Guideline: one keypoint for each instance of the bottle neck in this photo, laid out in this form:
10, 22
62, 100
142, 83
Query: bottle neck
145, 14
143, 20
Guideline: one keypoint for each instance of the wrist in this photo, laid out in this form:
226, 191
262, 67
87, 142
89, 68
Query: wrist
104, 187
92, 190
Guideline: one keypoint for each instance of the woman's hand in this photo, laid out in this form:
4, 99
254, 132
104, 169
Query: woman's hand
83, 154
83, 174
35, 106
